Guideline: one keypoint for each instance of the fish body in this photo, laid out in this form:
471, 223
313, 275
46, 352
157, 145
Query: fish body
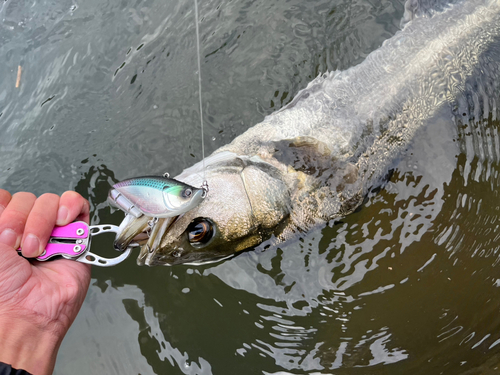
317, 158
155, 196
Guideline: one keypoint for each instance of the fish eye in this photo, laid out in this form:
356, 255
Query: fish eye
200, 231
187, 193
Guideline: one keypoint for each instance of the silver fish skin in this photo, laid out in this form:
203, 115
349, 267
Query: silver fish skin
317, 158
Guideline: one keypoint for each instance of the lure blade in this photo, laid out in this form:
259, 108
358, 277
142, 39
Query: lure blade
155, 196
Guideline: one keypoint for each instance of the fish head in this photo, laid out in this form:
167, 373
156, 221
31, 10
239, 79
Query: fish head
246, 201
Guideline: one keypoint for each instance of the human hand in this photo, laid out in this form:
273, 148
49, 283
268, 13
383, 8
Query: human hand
38, 300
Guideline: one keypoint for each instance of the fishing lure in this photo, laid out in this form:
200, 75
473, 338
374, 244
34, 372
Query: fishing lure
152, 196
155, 196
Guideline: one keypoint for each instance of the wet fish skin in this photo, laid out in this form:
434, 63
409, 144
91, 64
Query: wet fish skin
318, 157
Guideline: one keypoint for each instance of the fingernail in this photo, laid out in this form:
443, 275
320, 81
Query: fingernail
8, 237
31, 246
62, 215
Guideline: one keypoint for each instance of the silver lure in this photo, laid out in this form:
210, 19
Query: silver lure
155, 196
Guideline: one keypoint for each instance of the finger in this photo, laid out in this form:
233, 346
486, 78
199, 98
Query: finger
14, 218
39, 225
4, 200
72, 206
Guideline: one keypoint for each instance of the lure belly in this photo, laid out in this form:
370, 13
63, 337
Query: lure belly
155, 196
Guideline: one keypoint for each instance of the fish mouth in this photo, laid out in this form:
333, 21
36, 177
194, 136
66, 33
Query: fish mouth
132, 232
152, 254
149, 251
151, 259
148, 233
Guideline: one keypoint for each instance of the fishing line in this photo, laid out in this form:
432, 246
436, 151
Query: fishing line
199, 90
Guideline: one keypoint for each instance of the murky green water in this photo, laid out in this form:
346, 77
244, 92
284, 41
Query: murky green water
409, 284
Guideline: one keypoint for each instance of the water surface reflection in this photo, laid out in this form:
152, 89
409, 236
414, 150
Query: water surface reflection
407, 284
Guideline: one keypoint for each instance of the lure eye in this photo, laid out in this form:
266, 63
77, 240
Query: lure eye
200, 232
187, 193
